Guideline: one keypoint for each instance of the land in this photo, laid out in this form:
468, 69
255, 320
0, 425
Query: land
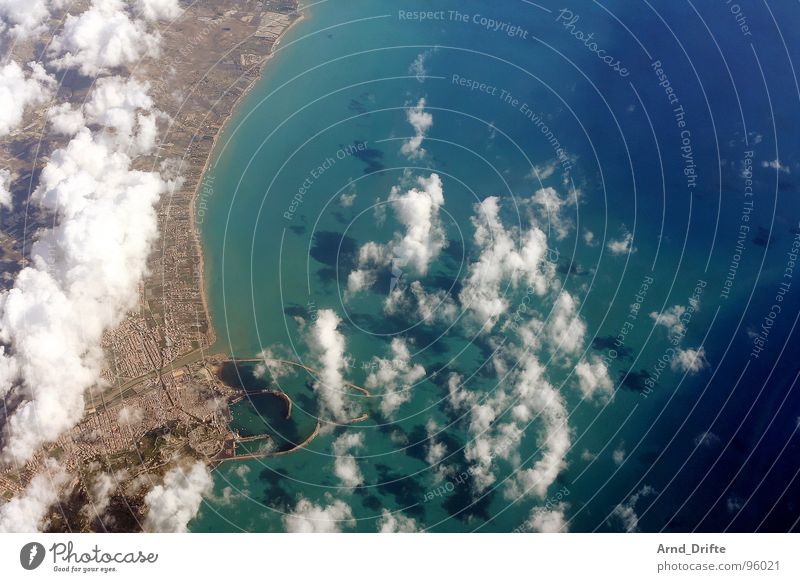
162, 401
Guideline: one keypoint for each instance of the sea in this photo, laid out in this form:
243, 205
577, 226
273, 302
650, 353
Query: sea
671, 128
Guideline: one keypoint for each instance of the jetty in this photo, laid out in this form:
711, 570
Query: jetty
308, 369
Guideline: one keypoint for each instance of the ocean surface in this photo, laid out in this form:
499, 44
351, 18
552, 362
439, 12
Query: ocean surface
660, 143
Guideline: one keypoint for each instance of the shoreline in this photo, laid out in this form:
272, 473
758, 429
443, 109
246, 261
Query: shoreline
211, 332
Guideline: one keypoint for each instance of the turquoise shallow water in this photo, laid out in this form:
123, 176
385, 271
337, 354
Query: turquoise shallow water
709, 450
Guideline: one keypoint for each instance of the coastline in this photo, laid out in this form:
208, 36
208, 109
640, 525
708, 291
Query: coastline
211, 331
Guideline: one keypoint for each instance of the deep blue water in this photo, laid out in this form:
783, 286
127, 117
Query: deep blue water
342, 77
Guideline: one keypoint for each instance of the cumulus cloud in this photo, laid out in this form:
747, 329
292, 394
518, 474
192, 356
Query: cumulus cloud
544, 171
436, 451
129, 416
65, 120
689, 360
100, 490
593, 378
345, 466
549, 207
173, 504
776, 165
396, 523
619, 454
82, 279
396, 375
103, 37
422, 240
457, 394
537, 399
272, 366
347, 200
417, 67
417, 209
328, 351
23, 18
20, 90
6, 199
622, 245
502, 260
421, 121
427, 306
548, 519
672, 319
26, 512
498, 422
159, 9
123, 107
626, 512
565, 329
308, 517
371, 256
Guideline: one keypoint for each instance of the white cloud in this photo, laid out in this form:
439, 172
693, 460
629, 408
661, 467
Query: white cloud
420, 243
433, 306
418, 68
101, 38
345, 466
436, 451
428, 307
173, 504
123, 107
26, 512
396, 376
548, 519
20, 90
544, 171
502, 259
159, 9
565, 329
621, 246
24, 18
457, 394
417, 209
498, 422
421, 121
308, 517
706, 439
593, 378
328, 350
396, 523
776, 165
671, 319
537, 399
100, 492
129, 416
273, 366
371, 256
588, 238
550, 207
347, 200
66, 120
626, 512
6, 199
689, 360
619, 454
83, 278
